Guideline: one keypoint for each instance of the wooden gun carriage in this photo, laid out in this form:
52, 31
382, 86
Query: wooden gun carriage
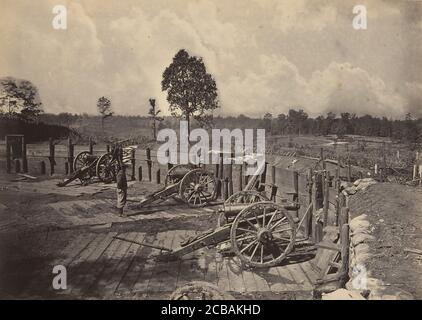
261, 232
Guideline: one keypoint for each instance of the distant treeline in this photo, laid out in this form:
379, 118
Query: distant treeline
295, 122
298, 122
33, 131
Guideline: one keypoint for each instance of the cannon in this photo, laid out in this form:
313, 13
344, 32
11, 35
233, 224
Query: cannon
87, 166
193, 185
261, 233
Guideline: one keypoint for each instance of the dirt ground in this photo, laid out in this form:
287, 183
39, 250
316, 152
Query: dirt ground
395, 211
42, 226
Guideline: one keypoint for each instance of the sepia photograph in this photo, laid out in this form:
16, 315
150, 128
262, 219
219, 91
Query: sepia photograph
243, 150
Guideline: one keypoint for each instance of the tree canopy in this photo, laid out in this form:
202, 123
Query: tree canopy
20, 99
191, 91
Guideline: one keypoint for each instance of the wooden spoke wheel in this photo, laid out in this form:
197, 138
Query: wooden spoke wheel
176, 173
263, 234
84, 159
197, 188
237, 202
106, 168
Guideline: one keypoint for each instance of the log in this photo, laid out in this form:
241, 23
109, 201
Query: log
158, 176
345, 248
149, 164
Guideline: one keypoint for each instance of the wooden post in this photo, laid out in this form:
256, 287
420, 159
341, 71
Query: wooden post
133, 162
91, 146
66, 168
149, 164
230, 167
319, 191
218, 185
51, 157
8, 155
273, 174
42, 167
24, 157
70, 155
349, 171
240, 178
158, 176
108, 148
140, 173
322, 158
296, 190
326, 199
345, 247
314, 206
319, 232
415, 172
217, 171
17, 166
344, 216
230, 188
221, 166
308, 224
225, 188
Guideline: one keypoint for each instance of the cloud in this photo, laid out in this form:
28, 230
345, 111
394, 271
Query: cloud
266, 56
339, 87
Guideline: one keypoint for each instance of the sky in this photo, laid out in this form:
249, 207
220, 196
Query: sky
266, 56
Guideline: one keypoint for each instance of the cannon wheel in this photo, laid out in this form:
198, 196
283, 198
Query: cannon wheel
173, 175
197, 188
82, 160
105, 169
263, 234
242, 197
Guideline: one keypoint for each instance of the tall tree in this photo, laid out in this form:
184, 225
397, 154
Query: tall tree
104, 109
191, 91
20, 98
153, 114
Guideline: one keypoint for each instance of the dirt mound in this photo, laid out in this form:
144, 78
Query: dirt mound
395, 214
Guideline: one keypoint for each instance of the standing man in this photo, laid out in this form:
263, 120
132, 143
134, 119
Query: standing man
121, 182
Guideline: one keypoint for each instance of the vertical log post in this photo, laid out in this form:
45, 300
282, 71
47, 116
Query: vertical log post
70, 155
349, 171
345, 245
24, 157
326, 198
296, 190
221, 166
322, 158
344, 216
108, 148
225, 188
140, 173
240, 184
308, 222
8, 155
149, 164
66, 168
133, 162
17, 166
273, 174
51, 157
230, 188
158, 176
42, 167
317, 203
91, 146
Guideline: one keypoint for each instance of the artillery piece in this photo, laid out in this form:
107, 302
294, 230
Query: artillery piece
193, 185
